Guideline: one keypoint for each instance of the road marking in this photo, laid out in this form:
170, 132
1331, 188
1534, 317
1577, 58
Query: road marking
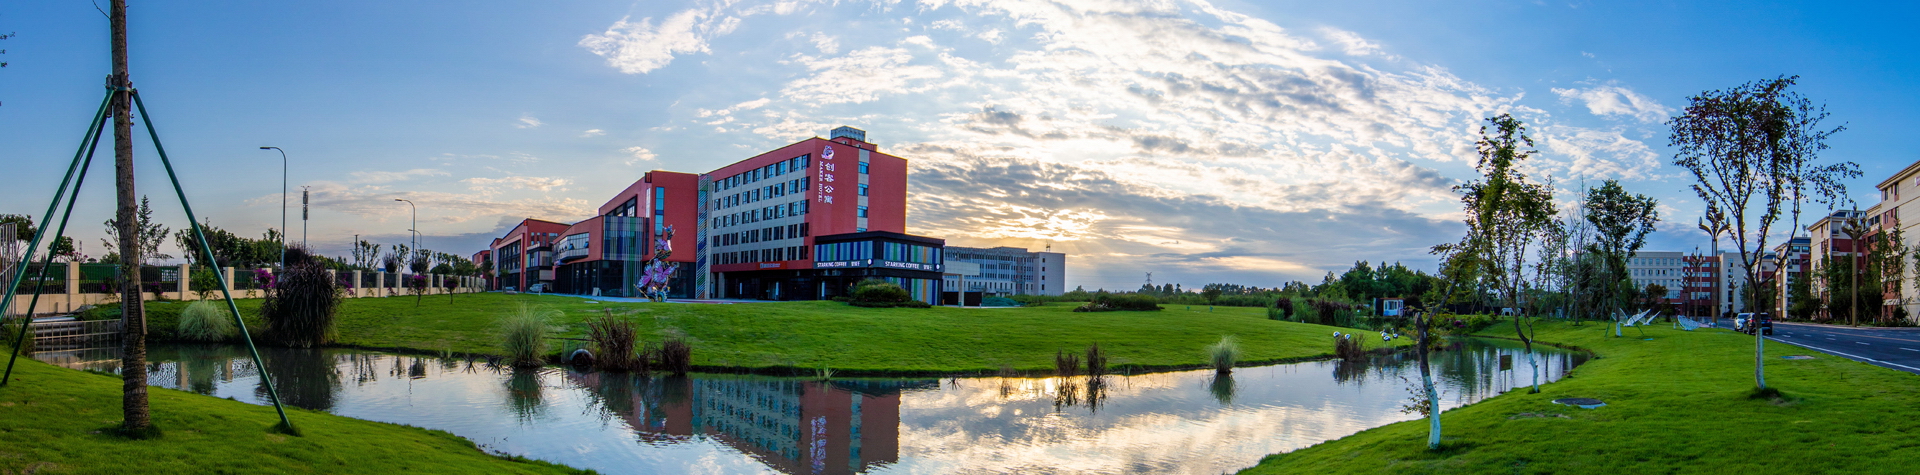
1909, 349
1866, 359
1861, 342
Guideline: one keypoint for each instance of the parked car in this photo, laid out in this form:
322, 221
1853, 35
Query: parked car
1740, 322
1762, 323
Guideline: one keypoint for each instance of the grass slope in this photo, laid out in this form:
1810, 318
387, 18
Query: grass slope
850, 340
1676, 404
55, 420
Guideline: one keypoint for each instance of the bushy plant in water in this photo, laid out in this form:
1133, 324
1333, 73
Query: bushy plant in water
614, 341
206, 320
1224, 354
300, 307
523, 333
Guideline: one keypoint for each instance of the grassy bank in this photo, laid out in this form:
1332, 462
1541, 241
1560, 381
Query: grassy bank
803, 336
55, 420
1678, 403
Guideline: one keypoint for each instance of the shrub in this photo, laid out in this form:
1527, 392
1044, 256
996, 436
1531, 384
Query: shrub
999, 302
1223, 355
10, 336
1066, 364
204, 282
523, 333
613, 344
1285, 304
300, 307
882, 294
675, 356
1450, 324
205, 321
1106, 302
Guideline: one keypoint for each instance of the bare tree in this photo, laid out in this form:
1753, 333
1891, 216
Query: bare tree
1751, 150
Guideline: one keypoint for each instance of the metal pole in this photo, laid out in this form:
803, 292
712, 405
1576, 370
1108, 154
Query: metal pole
283, 206
303, 216
413, 231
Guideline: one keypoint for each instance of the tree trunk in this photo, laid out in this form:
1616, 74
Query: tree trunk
1426, 380
133, 357
1759, 358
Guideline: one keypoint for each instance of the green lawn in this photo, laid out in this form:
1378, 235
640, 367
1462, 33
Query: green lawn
1676, 404
850, 340
52, 421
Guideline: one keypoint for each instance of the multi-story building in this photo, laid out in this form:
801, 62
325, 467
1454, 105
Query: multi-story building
805, 221
1793, 262
1666, 269
1010, 271
1830, 243
1900, 193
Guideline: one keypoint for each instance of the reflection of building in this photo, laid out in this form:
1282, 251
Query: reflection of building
794, 426
1011, 271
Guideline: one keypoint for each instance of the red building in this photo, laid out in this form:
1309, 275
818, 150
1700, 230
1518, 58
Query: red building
751, 230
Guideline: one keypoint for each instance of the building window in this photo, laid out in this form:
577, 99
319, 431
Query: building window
863, 167
863, 211
863, 190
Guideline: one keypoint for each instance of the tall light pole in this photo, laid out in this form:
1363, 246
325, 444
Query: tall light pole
415, 229
303, 216
283, 206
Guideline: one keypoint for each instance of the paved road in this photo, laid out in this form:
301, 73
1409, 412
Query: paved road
1896, 348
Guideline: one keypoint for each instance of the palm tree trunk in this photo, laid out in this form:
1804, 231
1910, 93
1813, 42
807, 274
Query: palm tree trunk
133, 357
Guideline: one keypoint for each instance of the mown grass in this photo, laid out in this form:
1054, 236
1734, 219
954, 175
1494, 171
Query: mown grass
1676, 404
55, 420
806, 336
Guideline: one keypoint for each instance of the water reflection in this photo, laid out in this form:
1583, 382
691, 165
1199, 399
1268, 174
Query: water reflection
1184, 422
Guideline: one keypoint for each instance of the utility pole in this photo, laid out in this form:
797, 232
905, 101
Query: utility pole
303, 216
133, 351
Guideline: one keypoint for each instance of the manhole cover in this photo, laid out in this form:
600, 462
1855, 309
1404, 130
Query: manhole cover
1796, 357
1583, 402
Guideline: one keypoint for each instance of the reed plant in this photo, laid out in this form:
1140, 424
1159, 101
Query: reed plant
204, 320
523, 333
1096, 361
1348, 347
613, 341
1066, 364
1224, 354
674, 356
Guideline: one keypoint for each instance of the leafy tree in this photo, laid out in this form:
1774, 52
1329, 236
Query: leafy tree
1804, 303
1506, 213
1621, 222
148, 234
1752, 151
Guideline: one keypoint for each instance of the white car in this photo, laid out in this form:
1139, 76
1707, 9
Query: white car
1740, 321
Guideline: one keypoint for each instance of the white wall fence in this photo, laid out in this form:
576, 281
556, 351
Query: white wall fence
72, 299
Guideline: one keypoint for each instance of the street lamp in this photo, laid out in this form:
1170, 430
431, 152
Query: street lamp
283, 206
416, 223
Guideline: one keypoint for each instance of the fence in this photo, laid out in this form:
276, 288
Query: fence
69, 287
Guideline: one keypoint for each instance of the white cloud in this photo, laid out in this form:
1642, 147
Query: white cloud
636, 48
1611, 99
1350, 42
490, 185
639, 154
827, 44
528, 122
593, 133
861, 76
378, 176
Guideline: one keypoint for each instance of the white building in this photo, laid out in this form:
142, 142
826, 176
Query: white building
1010, 271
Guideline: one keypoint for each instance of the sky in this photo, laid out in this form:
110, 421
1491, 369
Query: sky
1227, 141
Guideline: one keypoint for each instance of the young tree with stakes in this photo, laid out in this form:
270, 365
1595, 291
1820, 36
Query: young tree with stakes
1506, 213
1751, 150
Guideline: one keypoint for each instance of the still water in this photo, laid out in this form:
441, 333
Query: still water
1181, 422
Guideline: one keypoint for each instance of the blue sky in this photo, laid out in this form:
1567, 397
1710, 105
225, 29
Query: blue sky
1233, 141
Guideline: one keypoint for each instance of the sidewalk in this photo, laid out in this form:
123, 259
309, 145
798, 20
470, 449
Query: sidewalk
1844, 327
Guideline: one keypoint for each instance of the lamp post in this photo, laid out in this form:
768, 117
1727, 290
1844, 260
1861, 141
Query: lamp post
283, 206
415, 230
304, 201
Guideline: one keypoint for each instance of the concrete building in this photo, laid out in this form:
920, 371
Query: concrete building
1900, 196
1010, 271
1829, 242
1793, 262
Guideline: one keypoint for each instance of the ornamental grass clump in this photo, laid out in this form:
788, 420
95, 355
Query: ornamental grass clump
1223, 355
1066, 364
675, 356
613, 341
205, 321
300, 307
1096, 361
523, 333
1348, 347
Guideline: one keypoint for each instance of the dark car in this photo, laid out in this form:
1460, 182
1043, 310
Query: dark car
1760, 322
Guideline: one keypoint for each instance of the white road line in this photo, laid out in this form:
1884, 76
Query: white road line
1909, 349
1868, 360
1861, 342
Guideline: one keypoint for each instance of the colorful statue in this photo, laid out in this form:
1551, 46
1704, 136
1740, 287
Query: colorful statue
654, 279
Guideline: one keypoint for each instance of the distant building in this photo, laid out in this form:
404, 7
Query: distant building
1011, 271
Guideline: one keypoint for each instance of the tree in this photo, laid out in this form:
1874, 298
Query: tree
148, 234
1506, 213
1654, 298
365, 254
1752, 150
1621, 222
136, 418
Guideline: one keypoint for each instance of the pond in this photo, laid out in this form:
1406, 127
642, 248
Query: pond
1178, 422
